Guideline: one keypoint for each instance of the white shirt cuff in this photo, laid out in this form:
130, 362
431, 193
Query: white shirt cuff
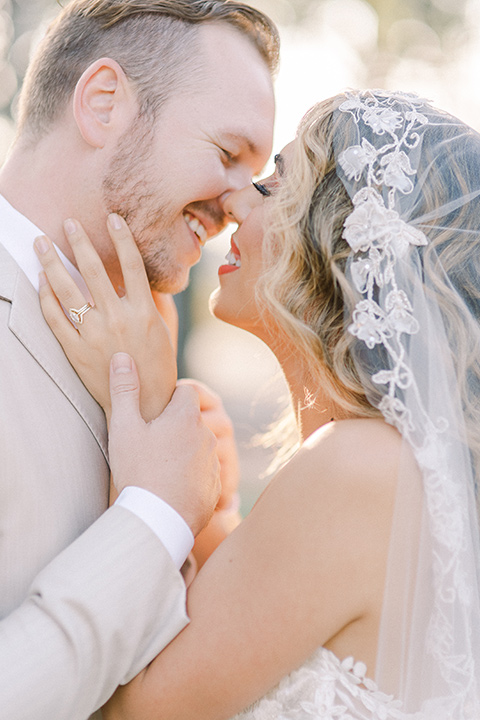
170, 528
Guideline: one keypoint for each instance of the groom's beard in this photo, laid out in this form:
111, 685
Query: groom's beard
129, 191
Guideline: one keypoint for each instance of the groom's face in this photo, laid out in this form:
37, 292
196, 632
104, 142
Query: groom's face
170, 181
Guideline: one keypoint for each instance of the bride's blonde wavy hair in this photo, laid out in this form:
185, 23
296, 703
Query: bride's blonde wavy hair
305, 288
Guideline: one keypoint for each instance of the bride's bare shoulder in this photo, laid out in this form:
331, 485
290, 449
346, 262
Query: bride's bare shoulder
355, 445
349, 456
333, 502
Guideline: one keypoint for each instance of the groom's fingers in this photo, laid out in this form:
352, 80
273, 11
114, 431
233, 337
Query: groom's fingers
124, 391
124, 419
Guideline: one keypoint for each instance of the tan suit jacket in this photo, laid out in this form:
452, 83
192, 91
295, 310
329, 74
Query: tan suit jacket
85, 602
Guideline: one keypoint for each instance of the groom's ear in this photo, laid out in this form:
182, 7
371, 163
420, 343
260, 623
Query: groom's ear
103, 102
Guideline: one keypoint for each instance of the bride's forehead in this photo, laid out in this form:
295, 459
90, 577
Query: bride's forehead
283, 158
288, 149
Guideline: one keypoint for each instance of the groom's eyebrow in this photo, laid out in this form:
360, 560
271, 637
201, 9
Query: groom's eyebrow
242, 141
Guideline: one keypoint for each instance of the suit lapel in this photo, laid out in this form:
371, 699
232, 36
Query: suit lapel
27, 323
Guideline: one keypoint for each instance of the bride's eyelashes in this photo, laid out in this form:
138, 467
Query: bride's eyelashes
262, 189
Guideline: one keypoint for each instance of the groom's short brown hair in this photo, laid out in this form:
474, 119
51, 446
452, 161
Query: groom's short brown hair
154, 41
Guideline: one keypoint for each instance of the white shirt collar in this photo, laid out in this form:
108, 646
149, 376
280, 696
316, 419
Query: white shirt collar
17, 234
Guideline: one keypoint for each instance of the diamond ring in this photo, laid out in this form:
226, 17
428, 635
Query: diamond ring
77, 315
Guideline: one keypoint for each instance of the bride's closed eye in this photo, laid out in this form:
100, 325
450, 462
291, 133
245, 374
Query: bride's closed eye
262, 189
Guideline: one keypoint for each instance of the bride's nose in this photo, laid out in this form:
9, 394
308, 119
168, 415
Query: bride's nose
238, 204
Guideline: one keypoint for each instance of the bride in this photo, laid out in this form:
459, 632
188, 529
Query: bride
351, 591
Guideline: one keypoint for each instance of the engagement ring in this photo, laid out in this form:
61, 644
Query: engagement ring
77, 315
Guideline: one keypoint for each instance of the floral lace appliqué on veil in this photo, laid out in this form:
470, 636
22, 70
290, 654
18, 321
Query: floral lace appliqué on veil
400, 338
380, 173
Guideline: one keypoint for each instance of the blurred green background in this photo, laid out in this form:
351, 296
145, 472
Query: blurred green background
431, 47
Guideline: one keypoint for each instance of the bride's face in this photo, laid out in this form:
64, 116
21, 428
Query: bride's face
234, 300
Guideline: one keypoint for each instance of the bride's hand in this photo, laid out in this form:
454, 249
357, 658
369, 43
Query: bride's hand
226, 516
131, 323
165, 305
218, 421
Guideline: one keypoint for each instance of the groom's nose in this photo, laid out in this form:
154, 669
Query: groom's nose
238, 176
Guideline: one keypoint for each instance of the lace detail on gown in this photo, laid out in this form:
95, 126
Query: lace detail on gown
328, 689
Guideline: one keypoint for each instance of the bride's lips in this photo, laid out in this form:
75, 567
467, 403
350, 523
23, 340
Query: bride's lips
224, 269
234, 261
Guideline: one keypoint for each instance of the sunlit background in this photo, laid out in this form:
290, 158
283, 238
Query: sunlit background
431, 47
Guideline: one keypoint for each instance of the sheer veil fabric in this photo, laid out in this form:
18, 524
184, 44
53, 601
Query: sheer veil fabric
412, 173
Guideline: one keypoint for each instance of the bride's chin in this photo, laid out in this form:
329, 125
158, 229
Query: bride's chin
219, 307
229, 310
213, 302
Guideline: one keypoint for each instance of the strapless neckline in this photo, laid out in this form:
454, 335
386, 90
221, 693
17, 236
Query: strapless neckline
326, 688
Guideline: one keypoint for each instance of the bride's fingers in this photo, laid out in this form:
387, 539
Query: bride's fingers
60, 281
137, 287
165, 305
53, 313
90, 265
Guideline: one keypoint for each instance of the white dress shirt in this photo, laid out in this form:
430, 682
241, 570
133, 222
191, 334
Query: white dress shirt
17, 234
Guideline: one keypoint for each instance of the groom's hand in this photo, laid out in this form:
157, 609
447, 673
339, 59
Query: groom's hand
216, 418
173, 456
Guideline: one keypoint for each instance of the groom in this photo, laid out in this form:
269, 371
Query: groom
156, 110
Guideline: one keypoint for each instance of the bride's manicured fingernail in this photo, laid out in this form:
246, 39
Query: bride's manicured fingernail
41, 244
70, 226
115, 222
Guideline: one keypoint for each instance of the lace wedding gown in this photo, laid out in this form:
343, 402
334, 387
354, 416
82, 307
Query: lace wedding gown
326, 688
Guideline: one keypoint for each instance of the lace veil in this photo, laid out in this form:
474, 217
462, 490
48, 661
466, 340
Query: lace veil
412, 173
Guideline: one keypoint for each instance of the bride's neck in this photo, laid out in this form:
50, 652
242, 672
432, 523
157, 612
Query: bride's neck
313, 407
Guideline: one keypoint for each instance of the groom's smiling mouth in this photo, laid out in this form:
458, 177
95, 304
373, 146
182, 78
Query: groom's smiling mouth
197, 227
